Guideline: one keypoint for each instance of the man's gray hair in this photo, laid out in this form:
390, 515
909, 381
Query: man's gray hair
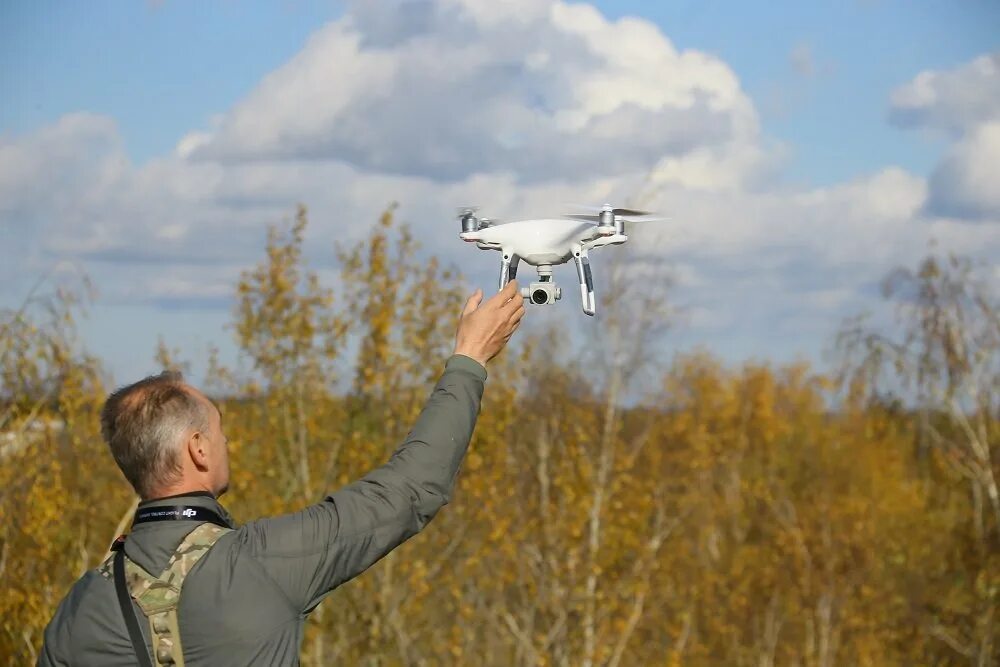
144, 425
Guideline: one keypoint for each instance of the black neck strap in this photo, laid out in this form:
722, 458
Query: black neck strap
178, 513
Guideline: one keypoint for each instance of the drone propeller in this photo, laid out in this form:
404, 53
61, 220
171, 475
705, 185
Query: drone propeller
625, 212
628, 212
634, 216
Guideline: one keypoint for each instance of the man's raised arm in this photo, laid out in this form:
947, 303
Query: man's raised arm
311, 552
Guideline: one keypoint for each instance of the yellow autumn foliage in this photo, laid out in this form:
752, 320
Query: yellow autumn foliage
752, 515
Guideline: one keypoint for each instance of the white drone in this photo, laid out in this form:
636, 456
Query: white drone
549, 241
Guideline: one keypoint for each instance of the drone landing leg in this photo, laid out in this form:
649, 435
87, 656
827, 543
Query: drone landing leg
586, 282
508, 269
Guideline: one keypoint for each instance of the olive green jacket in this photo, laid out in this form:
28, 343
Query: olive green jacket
246, 601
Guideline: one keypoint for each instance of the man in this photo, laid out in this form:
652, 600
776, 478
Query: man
245, 599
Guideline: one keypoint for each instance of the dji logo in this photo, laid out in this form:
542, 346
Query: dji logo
188, 512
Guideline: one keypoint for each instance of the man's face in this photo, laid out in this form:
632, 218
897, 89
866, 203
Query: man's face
218, 448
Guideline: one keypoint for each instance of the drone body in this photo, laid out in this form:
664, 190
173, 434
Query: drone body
546, 242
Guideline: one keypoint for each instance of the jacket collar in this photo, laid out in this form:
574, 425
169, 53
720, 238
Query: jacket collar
194, 499
157, 502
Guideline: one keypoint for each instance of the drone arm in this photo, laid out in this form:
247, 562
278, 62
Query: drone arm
601, 241
586, 281
508, 268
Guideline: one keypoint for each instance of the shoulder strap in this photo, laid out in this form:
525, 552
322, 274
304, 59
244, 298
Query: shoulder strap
158, 597
125, 601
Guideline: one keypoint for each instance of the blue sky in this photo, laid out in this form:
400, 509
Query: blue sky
142, 124
159, 69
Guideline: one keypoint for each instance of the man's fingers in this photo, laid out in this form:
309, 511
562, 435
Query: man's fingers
501, 298
512, 324
509, 290
516, 301
473, 302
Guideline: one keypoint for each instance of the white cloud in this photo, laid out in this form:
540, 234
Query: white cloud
856, 223
952, 100
965, 102
44, 167
396, 107
728, 167
541, 90
966, 184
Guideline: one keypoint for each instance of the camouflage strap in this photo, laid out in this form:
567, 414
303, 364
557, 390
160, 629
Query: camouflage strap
158, 596
128, 613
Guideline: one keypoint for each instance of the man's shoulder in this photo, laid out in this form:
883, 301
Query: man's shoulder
86, 599
92, 589
90, 582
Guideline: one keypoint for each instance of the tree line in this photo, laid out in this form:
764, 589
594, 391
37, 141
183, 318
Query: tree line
754, 515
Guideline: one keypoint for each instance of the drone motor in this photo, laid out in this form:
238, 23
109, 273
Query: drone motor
606, 221
470, 223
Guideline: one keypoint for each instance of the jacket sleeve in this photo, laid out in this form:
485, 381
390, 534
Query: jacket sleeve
309, 553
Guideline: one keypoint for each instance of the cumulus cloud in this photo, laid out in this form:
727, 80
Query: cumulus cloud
542, 90
515, 107
44, 166
69, 192
951, 100
873, 221
966, 184
964, 102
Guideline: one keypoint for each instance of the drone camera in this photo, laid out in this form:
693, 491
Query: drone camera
542, 294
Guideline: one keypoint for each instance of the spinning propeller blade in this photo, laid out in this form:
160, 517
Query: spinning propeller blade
635, 216
623, 212
648, 218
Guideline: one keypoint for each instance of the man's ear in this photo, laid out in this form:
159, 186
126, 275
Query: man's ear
198, 450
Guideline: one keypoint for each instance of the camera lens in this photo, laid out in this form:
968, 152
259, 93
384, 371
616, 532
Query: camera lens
539, 296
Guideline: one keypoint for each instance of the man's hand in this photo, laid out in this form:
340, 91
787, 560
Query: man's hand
485, 329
